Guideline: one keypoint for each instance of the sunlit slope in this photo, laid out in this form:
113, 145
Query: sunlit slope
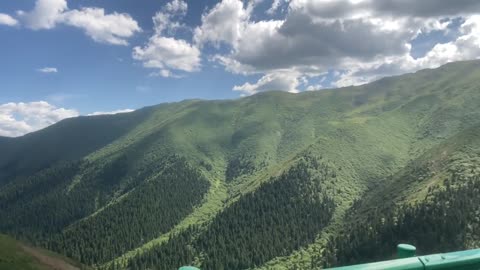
110, 185
457, 156
431, 203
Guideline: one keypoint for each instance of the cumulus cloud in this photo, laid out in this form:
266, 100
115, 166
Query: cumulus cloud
45, 15
304, 42
114, 28
276, 5
362, 39
165, 53
111, 112
8, 20
283, 81
338, 9
465, 47
17, 119
177, 6
425, 8
223, 23
166, 21
314, 87
48, 70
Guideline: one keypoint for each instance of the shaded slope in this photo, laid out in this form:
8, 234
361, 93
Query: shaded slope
279, 217
70, 139
149, 210
15, 255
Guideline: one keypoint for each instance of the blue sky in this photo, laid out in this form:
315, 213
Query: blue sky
95, 76
65, 58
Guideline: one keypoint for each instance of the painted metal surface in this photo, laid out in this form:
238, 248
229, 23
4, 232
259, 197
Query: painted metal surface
460, 260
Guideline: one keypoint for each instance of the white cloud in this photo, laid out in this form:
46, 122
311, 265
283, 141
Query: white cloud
465, 47
177, 6
48, 70
114, 28
111, 112
6, 19
318, 86
45, 15
223, 23
314, 87
425, 8
17, 119
363, 39
276, 5
341, 9
164, 20
284, 81
300, 42
166, 54
161, 21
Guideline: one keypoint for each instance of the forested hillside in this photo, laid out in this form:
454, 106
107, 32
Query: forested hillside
279, 217
270, 181
432, 204
16, 255
69, 140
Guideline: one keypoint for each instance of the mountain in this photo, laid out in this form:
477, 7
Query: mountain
273, 181
70, 139
16, 255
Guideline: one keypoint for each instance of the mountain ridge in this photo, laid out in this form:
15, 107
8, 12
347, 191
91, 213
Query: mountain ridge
220, 154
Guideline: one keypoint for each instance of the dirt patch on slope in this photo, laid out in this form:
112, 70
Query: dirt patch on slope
49, 262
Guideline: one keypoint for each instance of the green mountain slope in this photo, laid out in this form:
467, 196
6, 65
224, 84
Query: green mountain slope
431, 203
68, 140
263, 181
15, 255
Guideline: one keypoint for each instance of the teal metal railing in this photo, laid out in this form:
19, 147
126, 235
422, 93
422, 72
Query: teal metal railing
460, 260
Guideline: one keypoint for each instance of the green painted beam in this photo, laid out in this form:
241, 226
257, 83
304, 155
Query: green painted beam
400, 264
460, 260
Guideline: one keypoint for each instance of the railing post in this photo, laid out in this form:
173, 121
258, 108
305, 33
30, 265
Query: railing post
405, 251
